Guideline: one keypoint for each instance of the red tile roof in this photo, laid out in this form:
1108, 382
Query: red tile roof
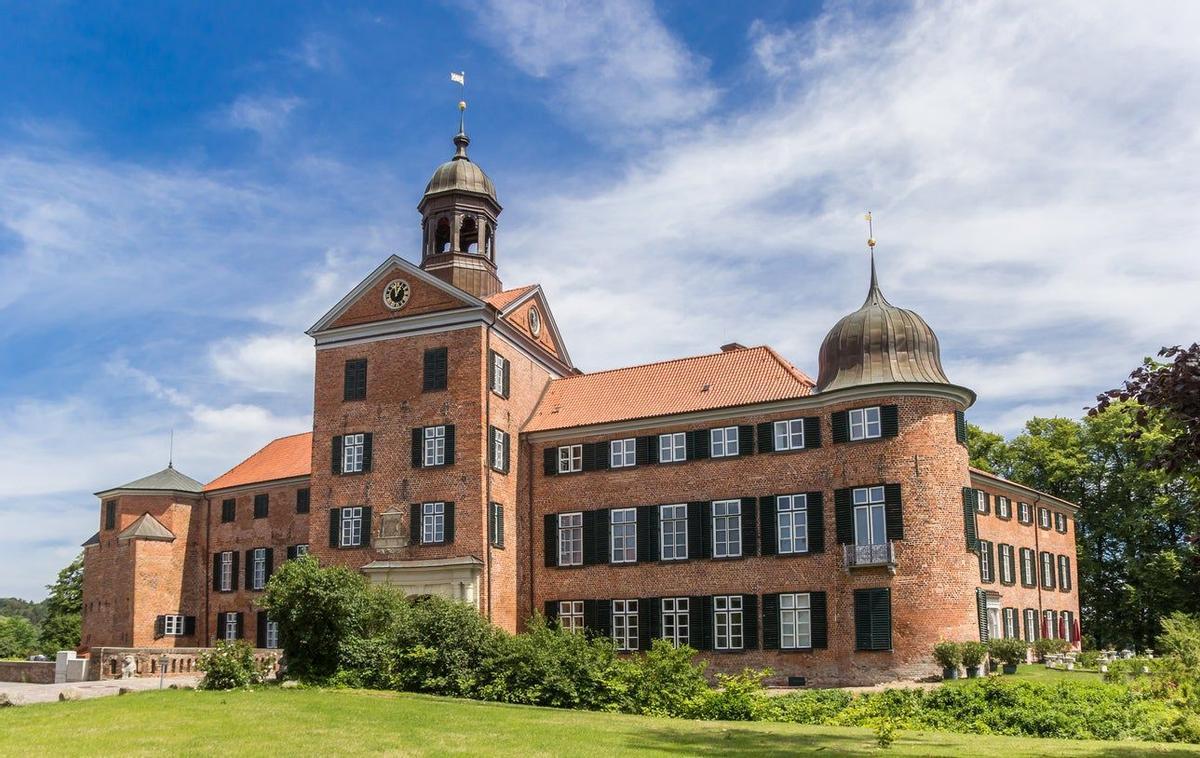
721, 380
501, 300
283, 458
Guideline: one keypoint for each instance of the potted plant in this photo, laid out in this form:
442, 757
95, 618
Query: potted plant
972, 658
1008, 652
949, 655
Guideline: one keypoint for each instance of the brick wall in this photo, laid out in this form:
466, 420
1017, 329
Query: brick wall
29, 672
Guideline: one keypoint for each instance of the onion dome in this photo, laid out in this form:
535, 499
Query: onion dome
459, 174
879, 343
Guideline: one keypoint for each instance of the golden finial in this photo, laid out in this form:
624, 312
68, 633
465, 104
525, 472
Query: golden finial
462, 105
870, 230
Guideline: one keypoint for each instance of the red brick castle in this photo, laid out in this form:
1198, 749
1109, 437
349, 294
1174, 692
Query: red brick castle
831, 530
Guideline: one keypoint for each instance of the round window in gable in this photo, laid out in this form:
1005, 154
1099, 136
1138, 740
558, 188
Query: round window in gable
535, 322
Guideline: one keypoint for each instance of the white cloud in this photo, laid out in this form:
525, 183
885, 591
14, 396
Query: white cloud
613, 63
266, 115
266, 363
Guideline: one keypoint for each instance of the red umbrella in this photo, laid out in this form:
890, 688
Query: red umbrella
1062, 626
1045, 627
1075, 631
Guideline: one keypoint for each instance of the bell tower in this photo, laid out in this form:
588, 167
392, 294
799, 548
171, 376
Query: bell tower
458, 222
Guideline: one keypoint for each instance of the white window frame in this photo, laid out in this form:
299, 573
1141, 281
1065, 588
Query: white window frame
570, 459
1024, 513
498, 372
353, 446
728, 622
670, 516
1032, 630
570, 615
259, 572
1051, 623
865, 424
676, 620
871, 501
622, 453
434, 445
1003, 507
623, 535
1031, 565
727, 528
1007, 560
1048, 570
173, 625
433, 523
301, 549
986, 573
1044, 518
498, 461
791, 524
723, 442
1064, 569
570, 539
789, 434
230, 627
271, 635
795, 621
227, 571
980, 501
351, 531
1007, 615
672, 448
1060, 518
625, 624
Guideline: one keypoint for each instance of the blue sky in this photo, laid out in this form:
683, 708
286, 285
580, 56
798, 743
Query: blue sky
185, 188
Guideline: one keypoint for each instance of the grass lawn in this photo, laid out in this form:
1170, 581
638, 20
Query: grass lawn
1037, 672
346, 722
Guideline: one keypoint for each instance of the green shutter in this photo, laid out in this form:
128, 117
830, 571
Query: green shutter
843, 513
841, 426
981, 612
960, 427
969, 528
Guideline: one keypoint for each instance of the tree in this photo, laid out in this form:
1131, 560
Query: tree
988, 451
64, 610
18, 637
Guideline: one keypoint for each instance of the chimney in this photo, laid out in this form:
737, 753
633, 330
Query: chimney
729, 348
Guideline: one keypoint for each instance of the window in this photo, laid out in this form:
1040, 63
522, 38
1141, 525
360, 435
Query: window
864, 424
1010, 623
499, 375
676, 624
1003, 507
1028, 570
622, 453
985, 562
262, 504
792, 517
789, 435
228, 510
173, 625
352, 519
227, 571
1060, 522
873, 619
1064, 572
110, 514
570, 539
433, 523
623, 523
434, 445
727, 528
1024, 513
1067, 625
1031, 625
870, 523
1049, 627
673, 526
625, 624
795, 621
672, 448
724, 442
231, 627
1044, 518
994, 628
496, 525
436, 370
259, 569
727, 622
352, 453
1007, 573
355, 385
499, 449
303, 497
981, 501
570, 615
272, 635
301, 550
1047, 571
570, 459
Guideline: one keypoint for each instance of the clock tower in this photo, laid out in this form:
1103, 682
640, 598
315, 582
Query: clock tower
458, 223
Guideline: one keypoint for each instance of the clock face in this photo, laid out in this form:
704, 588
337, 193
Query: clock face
535, 322
396, 293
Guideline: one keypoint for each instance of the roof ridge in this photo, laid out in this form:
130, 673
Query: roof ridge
660, 363
789, 366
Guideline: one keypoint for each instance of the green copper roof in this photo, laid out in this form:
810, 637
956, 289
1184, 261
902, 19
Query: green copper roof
167, 479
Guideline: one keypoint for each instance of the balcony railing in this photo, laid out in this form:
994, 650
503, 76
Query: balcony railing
869, 556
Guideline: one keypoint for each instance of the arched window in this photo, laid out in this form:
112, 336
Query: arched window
468, 235
441, 239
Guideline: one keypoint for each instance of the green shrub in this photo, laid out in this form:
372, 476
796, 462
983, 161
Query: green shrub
806, 706
444, 647
231, 665
1088, 659
738, 697
948, 654
1180, 639
1008, 650
665, 681
973, 653
1049, 646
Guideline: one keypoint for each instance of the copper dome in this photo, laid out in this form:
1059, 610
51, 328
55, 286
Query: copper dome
879, 343
459, 174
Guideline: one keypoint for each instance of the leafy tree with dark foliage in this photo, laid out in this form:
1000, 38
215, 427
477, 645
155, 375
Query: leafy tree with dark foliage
64, 609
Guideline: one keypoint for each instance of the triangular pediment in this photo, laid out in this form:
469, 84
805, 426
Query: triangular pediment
518, 310
146, 528
365, 303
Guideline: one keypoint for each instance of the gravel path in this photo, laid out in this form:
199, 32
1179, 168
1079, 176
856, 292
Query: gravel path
24, 694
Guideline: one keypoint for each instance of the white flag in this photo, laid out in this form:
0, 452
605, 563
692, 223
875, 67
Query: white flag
459, 78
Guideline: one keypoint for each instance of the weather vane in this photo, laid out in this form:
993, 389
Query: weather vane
870, 231
460, 78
